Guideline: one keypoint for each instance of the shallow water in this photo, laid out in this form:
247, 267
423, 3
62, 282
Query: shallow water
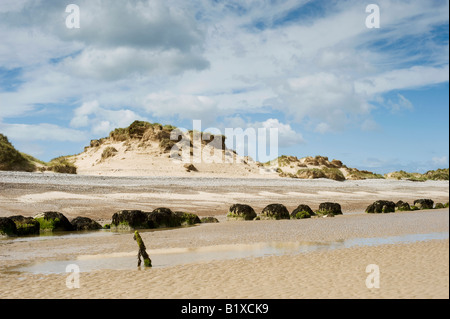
162, 258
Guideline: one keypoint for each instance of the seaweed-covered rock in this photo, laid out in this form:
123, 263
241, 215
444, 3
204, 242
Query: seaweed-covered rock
328, 208
187, 218
424, 203
7, 227
129, 220
53, 221
302, 211
162, 218
381, 206
439, 206
207, 220
241, 212
446, 205
275, 211
85, 223
26, 225
402, 206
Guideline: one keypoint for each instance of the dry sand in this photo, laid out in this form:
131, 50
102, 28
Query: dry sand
407, 270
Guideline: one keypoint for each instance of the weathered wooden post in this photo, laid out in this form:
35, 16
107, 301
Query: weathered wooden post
142, 250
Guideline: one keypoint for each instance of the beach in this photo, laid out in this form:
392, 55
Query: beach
274, 259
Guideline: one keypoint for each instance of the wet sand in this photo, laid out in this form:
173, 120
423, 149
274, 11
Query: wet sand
417, 269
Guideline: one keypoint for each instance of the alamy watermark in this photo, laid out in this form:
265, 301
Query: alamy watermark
73, 19
73, 279
208, 146
373, 19
373, 279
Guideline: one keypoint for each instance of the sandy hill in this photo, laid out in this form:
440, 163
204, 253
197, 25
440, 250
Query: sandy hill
146, 149
318, 167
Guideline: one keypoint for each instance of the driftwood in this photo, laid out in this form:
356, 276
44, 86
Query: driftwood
142, 251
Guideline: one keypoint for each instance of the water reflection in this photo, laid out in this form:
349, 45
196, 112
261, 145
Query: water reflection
176, 256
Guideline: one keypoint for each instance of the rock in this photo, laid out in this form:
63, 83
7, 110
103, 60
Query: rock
275, 211
85, 223
381, 206
439, 206
7, 227
187, 218
446, 205
53, 221
26, 225
162, 218
330, 208
206, 220
424, 203
129, 220
402, 206
241, 212
190, 168
300, 211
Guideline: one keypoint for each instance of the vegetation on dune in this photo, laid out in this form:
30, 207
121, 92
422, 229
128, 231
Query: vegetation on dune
61, 164
330, 173
435, 175
108, 152
357, 174
138, 129
11, 159
438, 175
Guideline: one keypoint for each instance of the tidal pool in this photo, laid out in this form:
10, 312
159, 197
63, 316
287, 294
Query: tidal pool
178, 256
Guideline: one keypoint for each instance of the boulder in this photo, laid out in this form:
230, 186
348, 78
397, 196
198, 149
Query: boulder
162, 218
424, 203
241, 212
129, 220
206, 220
7, 227
402, 206
302, 211
328, 208
187, 218
85, 223
26, 225
190, 168
381, 206
275, 211
439, 206
53, 221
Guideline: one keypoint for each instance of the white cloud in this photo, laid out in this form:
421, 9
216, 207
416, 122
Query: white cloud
102, 120
440, 161
414, 77
42, 132
170, 105
287, 136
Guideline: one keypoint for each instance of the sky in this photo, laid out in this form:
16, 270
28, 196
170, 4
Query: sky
374, 98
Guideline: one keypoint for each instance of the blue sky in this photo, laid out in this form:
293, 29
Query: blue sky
376, 99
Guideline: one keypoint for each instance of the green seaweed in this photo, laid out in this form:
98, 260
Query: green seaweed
302, 215
47, 224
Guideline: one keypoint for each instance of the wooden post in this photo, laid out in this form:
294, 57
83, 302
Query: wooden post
142, 250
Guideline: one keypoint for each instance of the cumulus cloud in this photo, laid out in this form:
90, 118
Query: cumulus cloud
101, 120
42, 132
440, 161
